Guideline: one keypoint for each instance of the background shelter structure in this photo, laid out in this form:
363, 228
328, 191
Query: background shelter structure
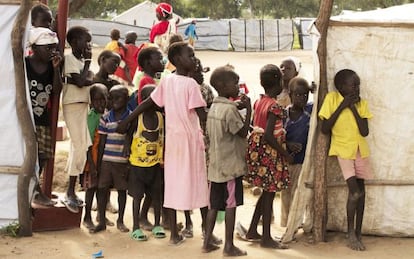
377, 47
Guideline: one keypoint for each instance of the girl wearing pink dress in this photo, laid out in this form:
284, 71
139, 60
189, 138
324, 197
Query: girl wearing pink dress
185, 167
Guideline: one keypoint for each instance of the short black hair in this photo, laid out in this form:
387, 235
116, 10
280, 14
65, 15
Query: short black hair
269, 74
98, 88
145, 55
38, 9
115, 34
131, 37
76, 33
147, 90
221, 76
120, 88
175, 38
341, 77
175, 50
107, 54
298, 81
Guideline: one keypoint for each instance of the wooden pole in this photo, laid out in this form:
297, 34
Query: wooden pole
322, 141
25, 120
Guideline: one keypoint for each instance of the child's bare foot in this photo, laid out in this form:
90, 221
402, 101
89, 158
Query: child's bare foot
87, 223
178, 240
121, 226
233, 251
146, 225
209, 248
354, 243
98, 228
270, 243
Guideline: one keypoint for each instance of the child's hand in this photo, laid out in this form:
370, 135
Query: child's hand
244, 102
122, 127
289, 158
350, 100
294, 147
56, 59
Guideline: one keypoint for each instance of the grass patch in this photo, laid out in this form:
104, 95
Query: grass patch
11, 230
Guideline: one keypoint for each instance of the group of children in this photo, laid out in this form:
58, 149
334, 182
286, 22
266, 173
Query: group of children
158, 148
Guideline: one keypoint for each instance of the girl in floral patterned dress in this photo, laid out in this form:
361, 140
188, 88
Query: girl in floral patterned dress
267, 157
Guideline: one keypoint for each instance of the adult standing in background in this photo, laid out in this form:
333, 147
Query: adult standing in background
191, 33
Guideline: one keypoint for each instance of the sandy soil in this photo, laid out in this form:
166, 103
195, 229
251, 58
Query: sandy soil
78, 243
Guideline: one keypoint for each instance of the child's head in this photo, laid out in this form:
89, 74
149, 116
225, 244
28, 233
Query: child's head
98, 94
290, 68
271, 79
41, 16
147, 90
225, 81
119, 97
347, 82
115, 34
164, 11
181, 55
299, 90
79, 38
131, 37
44, 43
175, 38
150, 60
108, 61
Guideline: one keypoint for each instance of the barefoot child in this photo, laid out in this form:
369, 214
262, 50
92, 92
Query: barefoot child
44, 80
296, 125
98, 95
227, 132
113, 165
185, 169
345, 116
145, 158
75, 104
267, 157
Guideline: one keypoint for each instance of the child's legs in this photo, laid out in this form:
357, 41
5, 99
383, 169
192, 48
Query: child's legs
267, 208
156, 194
210, 223
188, 221
360, 208
234, 189
252, 232
136, 189
203, 212
120, 173
287, 194
90, 192
172, 217
105, 181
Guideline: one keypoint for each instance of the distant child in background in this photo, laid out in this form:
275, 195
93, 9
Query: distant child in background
227, 132
108, 62
129, 56
296, 125
161, 31
173, 39
345, 116
98, 95
75, 104
290, 68
44, 80
267, 157
113, 165
191, 33
115, 45
184, 162
145, 159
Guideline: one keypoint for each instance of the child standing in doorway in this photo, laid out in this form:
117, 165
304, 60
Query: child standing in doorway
113, 164
75, 104
146, 173
227, 132
267, 157
185, 169
345, 116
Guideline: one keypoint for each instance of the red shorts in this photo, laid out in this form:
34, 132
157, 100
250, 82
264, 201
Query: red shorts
359, 167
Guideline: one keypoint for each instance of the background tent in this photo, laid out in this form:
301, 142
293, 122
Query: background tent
142, 15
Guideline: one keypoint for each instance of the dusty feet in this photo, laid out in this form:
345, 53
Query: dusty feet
121, 227
87, 223
43, 200
178, 240
209, 248
355, 243
270, 243
98, 228
145, 224
233, 251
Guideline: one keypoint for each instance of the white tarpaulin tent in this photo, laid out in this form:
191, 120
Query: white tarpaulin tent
375, 44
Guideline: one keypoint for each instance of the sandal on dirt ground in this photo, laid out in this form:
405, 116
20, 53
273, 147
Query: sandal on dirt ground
158, 232
138, 235
71, 204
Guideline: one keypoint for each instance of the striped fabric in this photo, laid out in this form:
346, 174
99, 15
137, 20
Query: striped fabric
114, 146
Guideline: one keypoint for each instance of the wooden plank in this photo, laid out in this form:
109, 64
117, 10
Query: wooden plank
372, 24
55, 218
10, 169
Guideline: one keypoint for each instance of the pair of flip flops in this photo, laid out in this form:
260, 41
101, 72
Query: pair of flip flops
139, 235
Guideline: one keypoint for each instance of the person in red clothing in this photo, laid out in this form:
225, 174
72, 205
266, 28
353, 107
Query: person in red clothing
129, 56
160, 32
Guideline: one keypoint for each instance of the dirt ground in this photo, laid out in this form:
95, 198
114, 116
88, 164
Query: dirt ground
78, 243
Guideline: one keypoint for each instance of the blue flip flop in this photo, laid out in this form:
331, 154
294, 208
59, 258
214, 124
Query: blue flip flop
71, 204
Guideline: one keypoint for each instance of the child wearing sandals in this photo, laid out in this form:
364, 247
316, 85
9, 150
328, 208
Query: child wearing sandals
185, 168
267, 157
145, 159
227, 132
112, 163
345, 116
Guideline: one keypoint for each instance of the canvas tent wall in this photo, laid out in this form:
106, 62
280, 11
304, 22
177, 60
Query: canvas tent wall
376, 44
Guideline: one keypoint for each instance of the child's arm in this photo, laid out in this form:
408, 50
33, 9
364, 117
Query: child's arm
129, 137
346, 103
91, 163
270, 138
245, 102
361, 122
101, 147
57, 77
202, 115
145, 105
86, 76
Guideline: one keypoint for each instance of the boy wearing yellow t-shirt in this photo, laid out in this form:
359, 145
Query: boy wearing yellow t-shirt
345, 116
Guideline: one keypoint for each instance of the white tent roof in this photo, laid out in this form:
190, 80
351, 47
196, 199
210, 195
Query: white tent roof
394, 14
142, 14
